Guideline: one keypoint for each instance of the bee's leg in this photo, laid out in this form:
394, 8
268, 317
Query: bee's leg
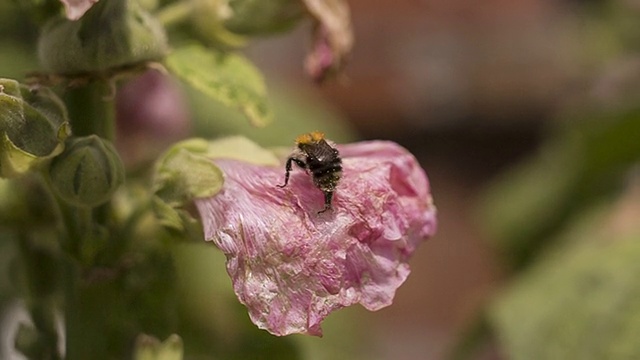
298, 162
328, 195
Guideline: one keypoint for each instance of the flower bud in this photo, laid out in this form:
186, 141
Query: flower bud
111, 34
227, 22
87, 173
33, 127
263, 17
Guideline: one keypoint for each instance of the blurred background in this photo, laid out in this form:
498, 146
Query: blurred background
474, 91
524, 114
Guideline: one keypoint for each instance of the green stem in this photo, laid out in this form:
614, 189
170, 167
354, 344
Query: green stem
77, 229
175, 13
92, 110
86, 307
87, 315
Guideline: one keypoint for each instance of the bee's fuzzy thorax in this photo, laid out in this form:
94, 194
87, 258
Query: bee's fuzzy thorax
312, 137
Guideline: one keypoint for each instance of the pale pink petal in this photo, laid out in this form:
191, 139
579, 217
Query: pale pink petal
76, 8
290, 265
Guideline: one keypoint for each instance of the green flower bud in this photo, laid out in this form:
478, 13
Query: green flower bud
111, 34
228, 21
87, 173
255, 17
33, 127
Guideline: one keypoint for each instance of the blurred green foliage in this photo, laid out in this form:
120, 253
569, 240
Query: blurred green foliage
585, 160
581, 300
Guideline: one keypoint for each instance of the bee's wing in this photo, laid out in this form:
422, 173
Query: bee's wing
324, 152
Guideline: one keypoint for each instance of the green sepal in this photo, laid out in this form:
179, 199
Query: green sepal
225, 77
185, 173
207, 21
114, 33
33, 127
150, 348
177, 221
230, 23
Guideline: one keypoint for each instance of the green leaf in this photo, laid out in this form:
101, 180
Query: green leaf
296, 111
580, 301
33, 127
228, 78
150, 348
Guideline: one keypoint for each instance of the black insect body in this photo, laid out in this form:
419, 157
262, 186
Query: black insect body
321, 160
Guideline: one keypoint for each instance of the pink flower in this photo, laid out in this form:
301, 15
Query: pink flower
290, 265
76, 8
332, 37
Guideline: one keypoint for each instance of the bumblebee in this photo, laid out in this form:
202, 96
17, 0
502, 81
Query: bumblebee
321, 160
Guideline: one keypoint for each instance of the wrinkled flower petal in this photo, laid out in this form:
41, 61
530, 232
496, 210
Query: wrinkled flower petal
290, 265
76, 8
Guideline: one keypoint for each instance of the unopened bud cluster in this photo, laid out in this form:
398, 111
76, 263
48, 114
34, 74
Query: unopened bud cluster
90, 44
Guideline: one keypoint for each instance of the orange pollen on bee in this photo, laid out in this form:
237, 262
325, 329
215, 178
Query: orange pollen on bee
309, 138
